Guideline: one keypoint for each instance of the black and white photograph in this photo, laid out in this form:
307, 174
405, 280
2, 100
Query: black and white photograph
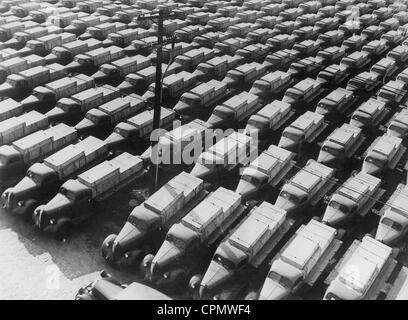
203, 151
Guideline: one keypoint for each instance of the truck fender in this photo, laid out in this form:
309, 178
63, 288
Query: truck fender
107, 248
195, 282
145, 265
251, 296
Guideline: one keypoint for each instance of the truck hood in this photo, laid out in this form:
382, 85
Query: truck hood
73, 66
165, 259
201, 171
6, 89
214, 277
127, 87
246, 188
371, 168
26, 51
216, 121
326, 158
333, 216
114, 140
271, 290
148, 95
85, 125
287, 143
30, 102
49, 213
24, 190
385, 233
342, 291
51, 58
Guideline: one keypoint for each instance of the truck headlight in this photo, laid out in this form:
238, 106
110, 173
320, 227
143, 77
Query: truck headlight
52, 221
20, 203
166, 275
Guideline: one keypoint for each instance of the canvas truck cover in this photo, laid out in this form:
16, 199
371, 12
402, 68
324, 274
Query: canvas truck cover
189, 184
10, 108
100, 178
387, 146
66, 161
34, 145
34, 60
273, 112
308, 122
143, 121
345, 136
88, 96
271, 160
311, 176
212, 212
122, 107
309, 238
359, 186
35, 76
258, 228
128, 165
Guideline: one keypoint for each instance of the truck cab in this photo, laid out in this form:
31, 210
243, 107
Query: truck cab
106, 72
11, 164
338, 208
24, 197
95, 119
34, 47
61, 54
393, 225
40, 95
77, 27
84, 61
65, 209
123, 133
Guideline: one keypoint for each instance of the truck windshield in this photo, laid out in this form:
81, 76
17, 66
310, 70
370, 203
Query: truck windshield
261, 86
292, 198
236, 76
290, 135
138, 223
205, 69
330, 150
360, 119
69, 194
20, 38
392, 224
221, 114
283, 281
84, 61
292, 95
377, 162
121, 132
92, 117
190, 101
338, 206
12, 82
256, 124
35, 177
252, 180
226, 263
179, 243
395, 128
34, 46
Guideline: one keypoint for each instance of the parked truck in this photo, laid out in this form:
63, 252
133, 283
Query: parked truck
242, 253
43, 179
44, 96
9, 29
362, 272
18, 127
398, 126
125, 37
301, 261
269, 168
95, 58
271, 84
333, 75
23, 82
235, 110
393, 93
104, 118
281, 60
306, 128
204, 96
138, 128
385, 152
18, 64
10, 108
76, 199
232, 45
188, 241
102, 30
307, 187
244, 75
42, 46
270, 118
226, 155
120, 68
369, 114
146, 225
355, 197
191, 59
15, 158
216, 68
339, 101
303, 92
71, 110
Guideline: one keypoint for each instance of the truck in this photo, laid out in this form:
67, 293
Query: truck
30, 149
307, 187
62, 20
305, 33
19, 39
393, 93
42, 46
364, 82
385, 68
385, 152
95, 58
281, 59
244, 75
49, 94
79, 26
230, 45
224, 156
242, 253
23, 9
336, 102
307, 66
23, 82
235, 110
191, 59
353, 44
369, 114
43, 179
399, 54
101, 31
241, 29
203, 96
104, 118
9, 29
17, 127
270, 118
341, 145
393, 38
306, 128
124, 37
281, 42
195, 134
18, 64
331, 55
271, 84
126, 15
355, 197
393, 223
71, 110
398, 125
356, 61
140, 80
120, 68
171, 50
304, 91
301, 261
76, 199
10, 108
173, 86
331, 38
261, 35
376, 48
306, 48
403, 77
188, 241
216, 68
138, 128
145, 228
268, 169
188, 33
66, 53
362, 272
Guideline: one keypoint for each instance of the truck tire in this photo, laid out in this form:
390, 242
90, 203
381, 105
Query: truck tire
106, 248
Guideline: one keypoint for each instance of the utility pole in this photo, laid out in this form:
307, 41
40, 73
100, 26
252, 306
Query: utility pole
157, 94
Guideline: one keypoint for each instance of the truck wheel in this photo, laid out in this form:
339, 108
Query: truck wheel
64, 231
106, 248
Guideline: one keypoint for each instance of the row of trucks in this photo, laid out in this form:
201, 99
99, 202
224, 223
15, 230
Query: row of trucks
43, 45
77, 199
43, 179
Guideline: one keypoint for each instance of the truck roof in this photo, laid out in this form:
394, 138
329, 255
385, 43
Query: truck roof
310, 175
306, 120
234, 141
270, 157
344, 134
237, 101
126, 161
204, 88
386, 145
273, 108
371, 106
338, 95
260, 220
